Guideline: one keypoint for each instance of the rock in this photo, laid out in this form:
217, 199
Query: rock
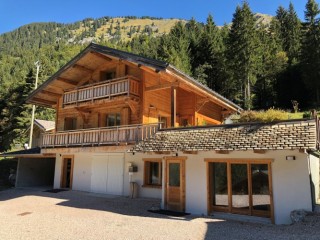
298, 215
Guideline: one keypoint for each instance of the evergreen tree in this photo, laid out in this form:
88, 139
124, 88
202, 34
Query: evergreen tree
290, 32
311, 49
243, 51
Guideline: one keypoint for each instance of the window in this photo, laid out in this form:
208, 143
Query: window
113, 119
70, 123
163, 121
108, 75
153, 172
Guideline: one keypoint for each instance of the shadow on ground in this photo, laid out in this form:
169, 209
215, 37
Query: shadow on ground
100, 202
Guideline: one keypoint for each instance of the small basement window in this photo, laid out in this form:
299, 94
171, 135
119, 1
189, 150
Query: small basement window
153, 172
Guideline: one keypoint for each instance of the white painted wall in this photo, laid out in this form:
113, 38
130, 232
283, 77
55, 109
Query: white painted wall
291, 184
196, 185
57, 171
314, 168
138, 176
290, 179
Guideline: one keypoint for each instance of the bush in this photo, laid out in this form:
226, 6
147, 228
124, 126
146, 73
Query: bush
306, 115
271, 115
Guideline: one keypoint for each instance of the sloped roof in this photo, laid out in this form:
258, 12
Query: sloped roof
45, 124
154, 64
250, 136
36, 150
32, 153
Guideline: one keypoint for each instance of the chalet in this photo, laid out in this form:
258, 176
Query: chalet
123, 118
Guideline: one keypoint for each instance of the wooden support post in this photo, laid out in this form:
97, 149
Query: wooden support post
173, 105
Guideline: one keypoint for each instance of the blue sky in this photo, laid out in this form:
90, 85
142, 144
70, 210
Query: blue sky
15, 13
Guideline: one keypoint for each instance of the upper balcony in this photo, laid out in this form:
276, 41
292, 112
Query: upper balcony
105, 90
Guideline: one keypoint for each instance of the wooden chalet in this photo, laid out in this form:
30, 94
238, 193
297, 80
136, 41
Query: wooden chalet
126, 122
105, 96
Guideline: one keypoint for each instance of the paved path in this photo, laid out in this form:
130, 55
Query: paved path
34, 214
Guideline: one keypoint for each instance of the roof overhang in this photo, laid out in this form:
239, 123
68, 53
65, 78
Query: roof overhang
51, 90
28, 153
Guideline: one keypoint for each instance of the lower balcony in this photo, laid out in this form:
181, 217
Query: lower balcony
99, 136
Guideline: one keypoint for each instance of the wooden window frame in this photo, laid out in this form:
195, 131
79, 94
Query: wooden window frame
115, 119
146, 172
74, 121
63, 157
247, 161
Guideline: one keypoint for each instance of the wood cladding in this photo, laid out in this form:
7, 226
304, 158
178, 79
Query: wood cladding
146, 98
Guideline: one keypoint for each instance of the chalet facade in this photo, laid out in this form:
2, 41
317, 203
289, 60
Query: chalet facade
123, 118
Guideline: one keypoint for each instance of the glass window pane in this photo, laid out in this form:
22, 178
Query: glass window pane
260, 187
118, 119
220, 184
174, 174
111, 120
154, 176
239, 181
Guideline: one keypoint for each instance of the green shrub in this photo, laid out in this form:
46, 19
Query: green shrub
271, 115
306, 115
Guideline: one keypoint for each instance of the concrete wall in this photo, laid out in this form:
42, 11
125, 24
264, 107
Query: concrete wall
290, 178
314, 168
138, 176
35, 172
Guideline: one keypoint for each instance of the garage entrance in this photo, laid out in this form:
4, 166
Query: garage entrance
35, 172
107, 174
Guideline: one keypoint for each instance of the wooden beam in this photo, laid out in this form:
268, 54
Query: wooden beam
104, 57
65, 80
51, 93
39, 100
260, 151
173, 106
222, 151
132, 106
162, 86
190, 152
83, 68
147, 69
87, 78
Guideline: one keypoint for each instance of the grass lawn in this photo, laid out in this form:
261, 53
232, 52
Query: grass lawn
297, 115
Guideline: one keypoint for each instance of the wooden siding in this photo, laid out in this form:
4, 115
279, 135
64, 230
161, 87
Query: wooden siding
152, 97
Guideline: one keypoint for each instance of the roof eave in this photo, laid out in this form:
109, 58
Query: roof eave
224, 100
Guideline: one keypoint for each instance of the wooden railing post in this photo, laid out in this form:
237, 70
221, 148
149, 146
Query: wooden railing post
117, 135
54, 140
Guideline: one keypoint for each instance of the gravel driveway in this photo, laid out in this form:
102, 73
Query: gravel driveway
34, 214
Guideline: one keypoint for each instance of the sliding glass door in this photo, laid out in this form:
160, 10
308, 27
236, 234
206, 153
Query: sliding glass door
240, 187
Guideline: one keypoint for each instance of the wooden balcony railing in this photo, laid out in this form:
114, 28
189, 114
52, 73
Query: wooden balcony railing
317, 132
103, 90
99, 136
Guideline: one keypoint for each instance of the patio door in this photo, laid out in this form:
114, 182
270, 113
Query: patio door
175, 184
242, 187
67, 172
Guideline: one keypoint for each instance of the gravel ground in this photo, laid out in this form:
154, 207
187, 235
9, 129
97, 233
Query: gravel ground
34, 214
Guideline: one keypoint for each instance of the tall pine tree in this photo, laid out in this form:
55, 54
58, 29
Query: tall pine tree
311, 50
243, 51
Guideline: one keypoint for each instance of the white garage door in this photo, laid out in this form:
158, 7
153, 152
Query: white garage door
107, 174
